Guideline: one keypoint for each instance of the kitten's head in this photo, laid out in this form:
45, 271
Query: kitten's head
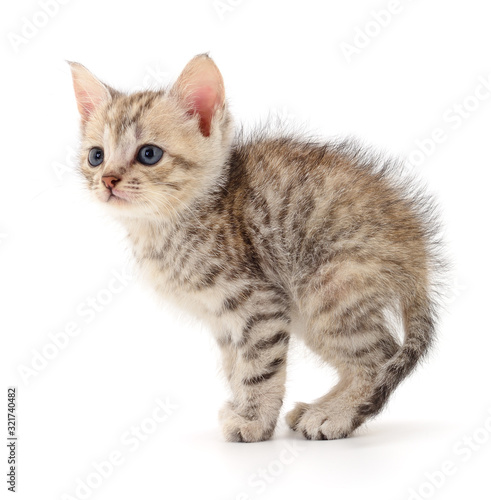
149, 154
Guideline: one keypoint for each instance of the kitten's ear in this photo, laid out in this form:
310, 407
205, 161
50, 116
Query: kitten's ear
89, 91
201, 90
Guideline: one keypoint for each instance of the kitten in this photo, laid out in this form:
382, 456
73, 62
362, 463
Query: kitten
255, 235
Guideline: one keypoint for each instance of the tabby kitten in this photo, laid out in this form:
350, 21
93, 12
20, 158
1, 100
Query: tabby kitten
257, 235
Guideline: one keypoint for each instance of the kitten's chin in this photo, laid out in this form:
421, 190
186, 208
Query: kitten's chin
114, 197
125, 206
124, 209
116, 204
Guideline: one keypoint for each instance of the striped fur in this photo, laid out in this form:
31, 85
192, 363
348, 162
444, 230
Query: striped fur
255, 234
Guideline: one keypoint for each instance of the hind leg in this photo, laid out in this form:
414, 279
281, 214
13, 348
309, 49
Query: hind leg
349, 331
335, 415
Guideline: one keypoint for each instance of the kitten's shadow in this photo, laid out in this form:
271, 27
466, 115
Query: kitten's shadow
373, 435
381, 434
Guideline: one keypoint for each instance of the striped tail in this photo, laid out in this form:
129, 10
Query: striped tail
419, 325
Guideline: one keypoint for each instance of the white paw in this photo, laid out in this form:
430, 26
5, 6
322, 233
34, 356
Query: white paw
237, 428
316, 422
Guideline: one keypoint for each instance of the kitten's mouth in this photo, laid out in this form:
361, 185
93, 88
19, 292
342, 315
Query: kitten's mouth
117, 195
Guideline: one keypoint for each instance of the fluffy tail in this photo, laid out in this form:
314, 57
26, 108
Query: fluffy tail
419, 324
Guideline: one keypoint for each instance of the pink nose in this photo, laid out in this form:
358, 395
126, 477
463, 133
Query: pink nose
110, 181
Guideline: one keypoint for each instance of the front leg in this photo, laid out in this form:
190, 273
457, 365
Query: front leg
255, 364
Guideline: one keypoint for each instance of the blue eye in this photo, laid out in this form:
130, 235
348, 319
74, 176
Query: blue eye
96, 157
149, 155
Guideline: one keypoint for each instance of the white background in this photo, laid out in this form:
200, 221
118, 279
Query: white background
57, 249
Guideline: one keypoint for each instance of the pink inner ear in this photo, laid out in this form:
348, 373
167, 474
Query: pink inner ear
86, 104
204, 101
89, 92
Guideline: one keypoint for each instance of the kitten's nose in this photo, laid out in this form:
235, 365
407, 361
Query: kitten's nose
110, 181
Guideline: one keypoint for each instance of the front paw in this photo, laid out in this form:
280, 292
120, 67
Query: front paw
239, 429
